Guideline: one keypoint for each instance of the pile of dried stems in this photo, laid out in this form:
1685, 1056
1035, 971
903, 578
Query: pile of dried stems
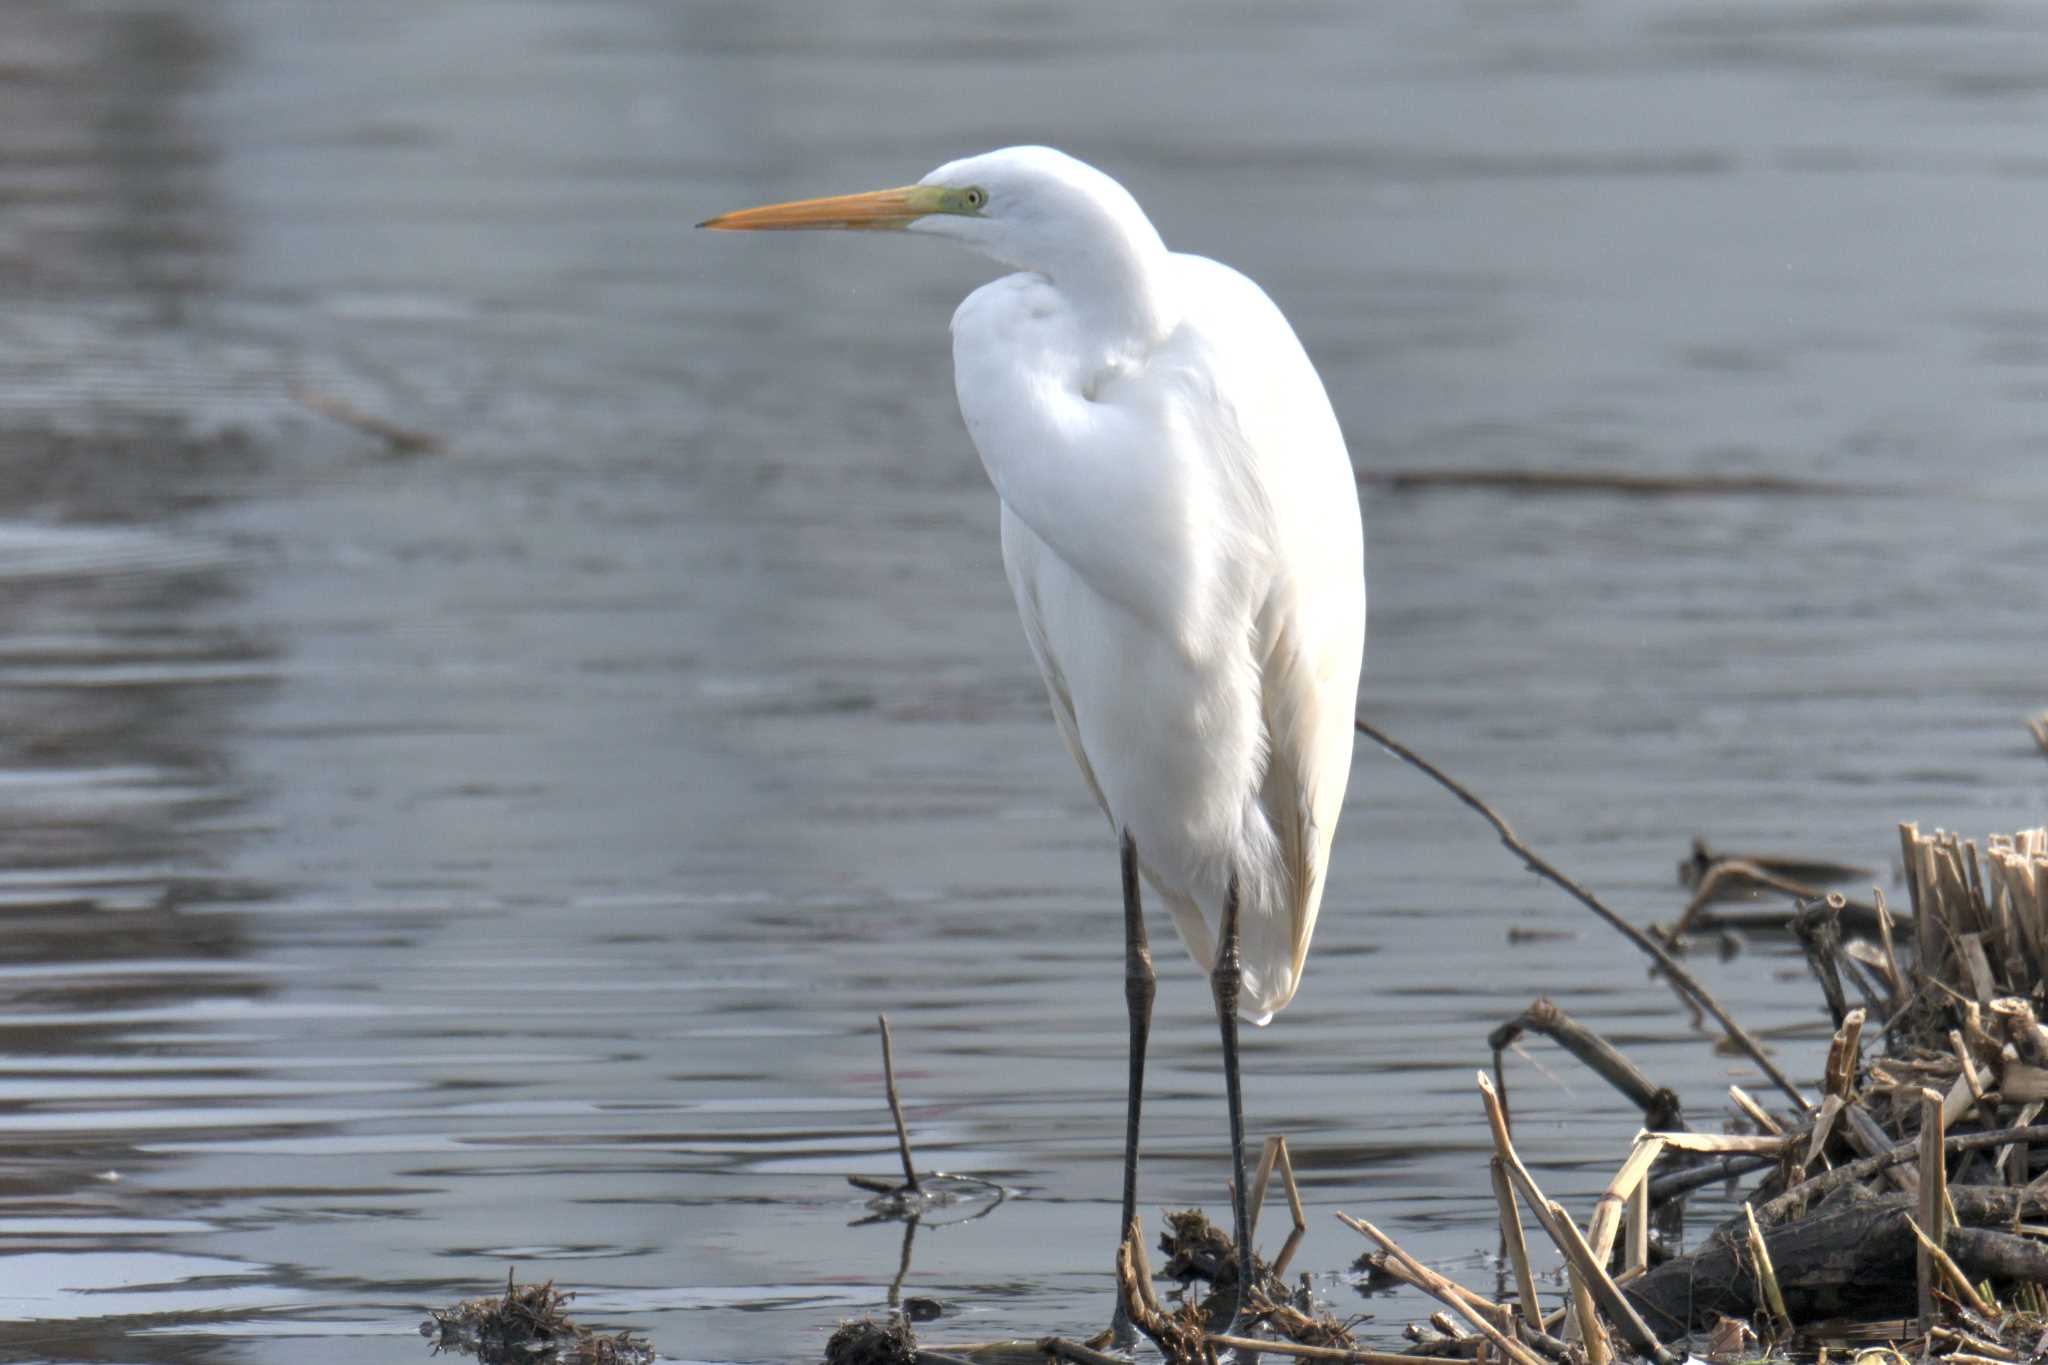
1894, 1210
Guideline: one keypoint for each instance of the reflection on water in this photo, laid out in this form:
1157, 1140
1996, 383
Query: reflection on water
412, 866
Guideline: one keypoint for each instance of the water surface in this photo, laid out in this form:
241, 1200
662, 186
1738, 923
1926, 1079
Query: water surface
415, 865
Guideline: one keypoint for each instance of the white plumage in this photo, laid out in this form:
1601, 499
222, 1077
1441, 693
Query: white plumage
1180, 526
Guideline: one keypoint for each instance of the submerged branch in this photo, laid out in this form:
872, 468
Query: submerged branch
1604, 481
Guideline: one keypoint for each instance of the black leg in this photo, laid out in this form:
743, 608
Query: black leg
1138, 992
1226, 981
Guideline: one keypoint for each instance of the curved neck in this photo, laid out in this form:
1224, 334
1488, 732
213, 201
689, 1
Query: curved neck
1115, 279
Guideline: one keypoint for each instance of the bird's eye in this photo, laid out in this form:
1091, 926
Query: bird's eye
976, 196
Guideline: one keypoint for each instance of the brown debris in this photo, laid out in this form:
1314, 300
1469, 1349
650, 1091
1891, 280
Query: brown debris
864, 1341
1909, 1172
528, 1325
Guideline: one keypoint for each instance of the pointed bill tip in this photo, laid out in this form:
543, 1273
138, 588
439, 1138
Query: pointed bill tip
884, 209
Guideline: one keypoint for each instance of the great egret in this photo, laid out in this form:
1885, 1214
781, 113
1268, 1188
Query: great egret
1180, 527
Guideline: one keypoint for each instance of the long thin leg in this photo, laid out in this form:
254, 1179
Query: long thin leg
1226, 980
1139, 989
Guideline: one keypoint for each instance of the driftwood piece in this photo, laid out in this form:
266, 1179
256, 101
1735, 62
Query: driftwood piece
1853, 1260
1660, 1104
1999, 1255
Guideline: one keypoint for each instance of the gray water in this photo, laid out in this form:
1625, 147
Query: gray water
415, 865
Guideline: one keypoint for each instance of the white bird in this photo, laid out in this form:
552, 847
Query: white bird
1180, 528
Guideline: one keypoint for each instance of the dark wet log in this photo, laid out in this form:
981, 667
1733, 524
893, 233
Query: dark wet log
1660, 1106
1848, 1261
1998, 1255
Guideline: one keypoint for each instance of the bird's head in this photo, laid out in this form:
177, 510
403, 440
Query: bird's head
1029, 207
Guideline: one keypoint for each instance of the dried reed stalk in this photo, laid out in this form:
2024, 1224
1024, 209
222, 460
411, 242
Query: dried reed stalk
1844, 1052
1275, 1153
1608, 1294
1767, 1277
1638, 1246
1894, 977
1517, 1245
1965, 1292
1540, 1205
1723, 1143
1967, 1065
1605, 1224
1933, 1200
1755, 1112
1591, 1284
1454, 1296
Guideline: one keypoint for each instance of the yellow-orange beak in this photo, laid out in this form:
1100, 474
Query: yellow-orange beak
875, 210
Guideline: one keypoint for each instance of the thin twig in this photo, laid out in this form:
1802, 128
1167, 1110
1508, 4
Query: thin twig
896, 1106
401, 440
1767, 1277
1542, 868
